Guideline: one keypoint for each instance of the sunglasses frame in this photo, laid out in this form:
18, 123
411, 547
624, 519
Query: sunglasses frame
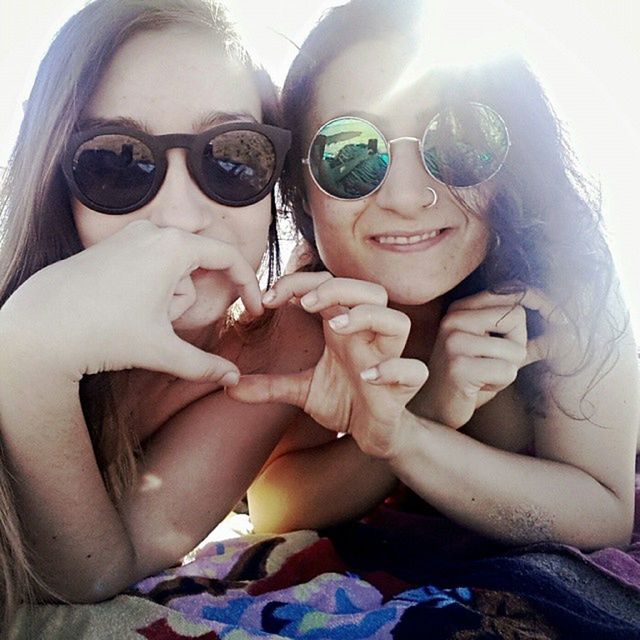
195, 143
307, 161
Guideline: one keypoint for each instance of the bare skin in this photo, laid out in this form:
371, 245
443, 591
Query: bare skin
462, 440
361, 387
147, 298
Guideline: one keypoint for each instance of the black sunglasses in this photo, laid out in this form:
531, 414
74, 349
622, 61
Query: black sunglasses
461, 147
117, 170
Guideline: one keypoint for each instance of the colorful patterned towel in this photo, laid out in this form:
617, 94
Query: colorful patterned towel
399, 575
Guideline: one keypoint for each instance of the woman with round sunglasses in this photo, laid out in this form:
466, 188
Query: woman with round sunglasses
136, 210
448, 235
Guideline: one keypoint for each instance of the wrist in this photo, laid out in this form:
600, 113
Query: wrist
404, 441
452, 411
29, 352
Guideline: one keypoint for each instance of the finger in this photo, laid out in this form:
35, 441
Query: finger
391, 327
293, 287
215, 255
179, 358
510, 322
346, 292
485, 346
290, 389
531, 298
477, 373
183, 298
406, 372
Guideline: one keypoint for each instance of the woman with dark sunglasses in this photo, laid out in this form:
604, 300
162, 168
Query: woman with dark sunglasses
136, 210
448, 232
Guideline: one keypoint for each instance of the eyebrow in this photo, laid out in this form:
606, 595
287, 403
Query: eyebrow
122, 121
205, 122
220, 117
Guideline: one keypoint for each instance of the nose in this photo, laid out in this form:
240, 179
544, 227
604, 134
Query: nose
179, 202
408, 189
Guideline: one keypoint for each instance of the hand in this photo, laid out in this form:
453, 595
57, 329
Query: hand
480, 347
360, 385
110, 307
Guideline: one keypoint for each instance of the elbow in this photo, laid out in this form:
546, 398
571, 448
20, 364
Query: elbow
270, 512
94, 584
617, 536
270, 521
615, 530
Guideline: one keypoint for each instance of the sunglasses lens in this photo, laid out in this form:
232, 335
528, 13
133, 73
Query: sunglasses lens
465, 146
348, 158
114, 171
238, 165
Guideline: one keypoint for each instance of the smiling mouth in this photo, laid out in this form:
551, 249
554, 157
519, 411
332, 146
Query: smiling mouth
405, 240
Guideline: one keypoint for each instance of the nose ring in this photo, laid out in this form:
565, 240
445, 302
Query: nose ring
434, 201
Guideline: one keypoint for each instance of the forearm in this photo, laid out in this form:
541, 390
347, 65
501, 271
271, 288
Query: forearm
194, 470
317, 487
511, 497
80, 545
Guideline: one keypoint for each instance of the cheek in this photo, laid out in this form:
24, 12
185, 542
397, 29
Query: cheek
479, 240
93, 226
251, 229
334, 227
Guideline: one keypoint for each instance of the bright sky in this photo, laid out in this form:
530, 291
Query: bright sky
587, 54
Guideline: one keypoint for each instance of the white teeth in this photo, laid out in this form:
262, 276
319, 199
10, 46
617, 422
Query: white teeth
408, 239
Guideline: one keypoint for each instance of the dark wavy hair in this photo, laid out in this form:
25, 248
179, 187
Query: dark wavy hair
37, 227
544, 216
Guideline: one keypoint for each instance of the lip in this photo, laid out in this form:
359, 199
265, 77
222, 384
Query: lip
395, 240
199, 273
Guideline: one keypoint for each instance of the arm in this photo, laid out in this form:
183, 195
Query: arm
314, 479
579, 489
98, 319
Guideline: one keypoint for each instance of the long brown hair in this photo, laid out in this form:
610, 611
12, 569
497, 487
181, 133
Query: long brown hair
545, 215
37, 227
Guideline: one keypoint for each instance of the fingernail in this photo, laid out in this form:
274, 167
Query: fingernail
269, 296
339, 322
309, 300
370, 374
230, 379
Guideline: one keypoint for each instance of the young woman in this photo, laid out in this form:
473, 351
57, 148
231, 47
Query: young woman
451, 192
136, 210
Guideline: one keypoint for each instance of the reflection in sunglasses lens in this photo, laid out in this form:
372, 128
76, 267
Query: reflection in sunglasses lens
465, 146
114, 170
237, 165
349, 158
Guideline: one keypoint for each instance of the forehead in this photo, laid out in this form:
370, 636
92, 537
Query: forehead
382, 78
171, 79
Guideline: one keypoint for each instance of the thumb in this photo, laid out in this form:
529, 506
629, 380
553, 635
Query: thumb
290, 388
179, 358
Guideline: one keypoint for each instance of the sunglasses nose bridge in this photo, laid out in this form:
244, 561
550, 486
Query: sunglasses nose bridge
179, 201
406, 183
411, 139
405, 139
